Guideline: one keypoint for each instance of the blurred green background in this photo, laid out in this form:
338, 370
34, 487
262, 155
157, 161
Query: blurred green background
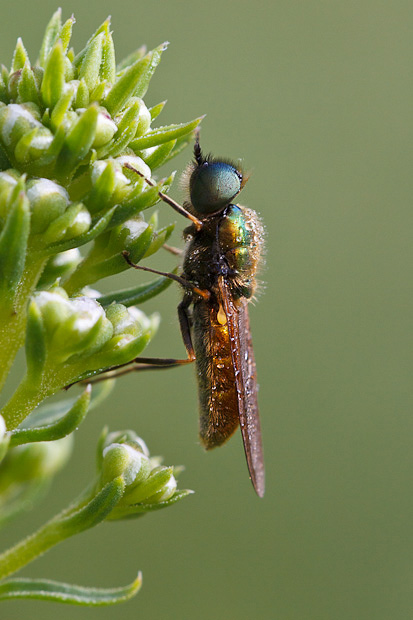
316, 97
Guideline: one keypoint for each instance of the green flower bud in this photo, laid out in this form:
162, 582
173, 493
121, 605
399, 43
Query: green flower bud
124, 460
158, 487
36, 461
148, 485
129, 437
71, 326
132, 331
13, 241
133, 161
120, 183
145, 118
8, 181
106, 258
75, 221
59, 266
32, 146
12, 86
47, 200
105, 129
16, 121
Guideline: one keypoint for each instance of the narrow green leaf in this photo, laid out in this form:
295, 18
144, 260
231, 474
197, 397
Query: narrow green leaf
117, 264
108, 65
54, 76
124, 87
134, 205
131, 59
180, 146
97, 228
82, 98
102, 190
97, 93
159, 239
47, 590
95, 511
52, 412
58, 429
133, 82
156, 156
126, 131
160, 135
156, 110
176, 497
20, 57
50, 36
155, 59
62, 106
27, 87
136, 295
66, 32
105, 28
89, 70
35, 342
13, 242
52, 152
78, 141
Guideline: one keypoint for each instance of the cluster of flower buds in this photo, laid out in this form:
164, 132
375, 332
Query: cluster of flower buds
148, 484
129, 484
77, 143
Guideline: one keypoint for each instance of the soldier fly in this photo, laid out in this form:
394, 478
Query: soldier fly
223, 246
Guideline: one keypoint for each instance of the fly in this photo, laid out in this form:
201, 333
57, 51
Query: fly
224, 242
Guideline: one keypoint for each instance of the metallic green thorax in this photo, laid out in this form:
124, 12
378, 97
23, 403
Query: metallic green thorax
229, 244
240, 238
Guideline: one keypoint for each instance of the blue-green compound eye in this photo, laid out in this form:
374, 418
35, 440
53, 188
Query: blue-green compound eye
213, 185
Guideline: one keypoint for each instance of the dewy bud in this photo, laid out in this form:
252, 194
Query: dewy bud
145, 119
72, 223
47, 200
17, 120
72, 326
124, 460
36, 461
148, 485
133, 161
129, 437
59, 266
105, 129
121, 181
159, 486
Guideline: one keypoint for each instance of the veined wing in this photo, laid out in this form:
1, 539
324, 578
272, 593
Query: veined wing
246, 383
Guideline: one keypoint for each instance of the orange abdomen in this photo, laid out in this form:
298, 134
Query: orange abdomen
218, 401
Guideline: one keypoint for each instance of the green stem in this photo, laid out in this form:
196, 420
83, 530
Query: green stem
13, 320
72, 520
30, 548
26, 398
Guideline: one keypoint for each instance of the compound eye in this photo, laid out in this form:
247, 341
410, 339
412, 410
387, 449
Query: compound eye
213, 185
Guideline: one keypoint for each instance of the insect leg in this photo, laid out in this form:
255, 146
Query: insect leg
172, 250
155, 363
188, 285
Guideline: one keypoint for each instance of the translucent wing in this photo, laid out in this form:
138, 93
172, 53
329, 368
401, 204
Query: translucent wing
246, 383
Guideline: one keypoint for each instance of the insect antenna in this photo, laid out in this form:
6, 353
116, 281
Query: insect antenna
197, 149
172, 203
